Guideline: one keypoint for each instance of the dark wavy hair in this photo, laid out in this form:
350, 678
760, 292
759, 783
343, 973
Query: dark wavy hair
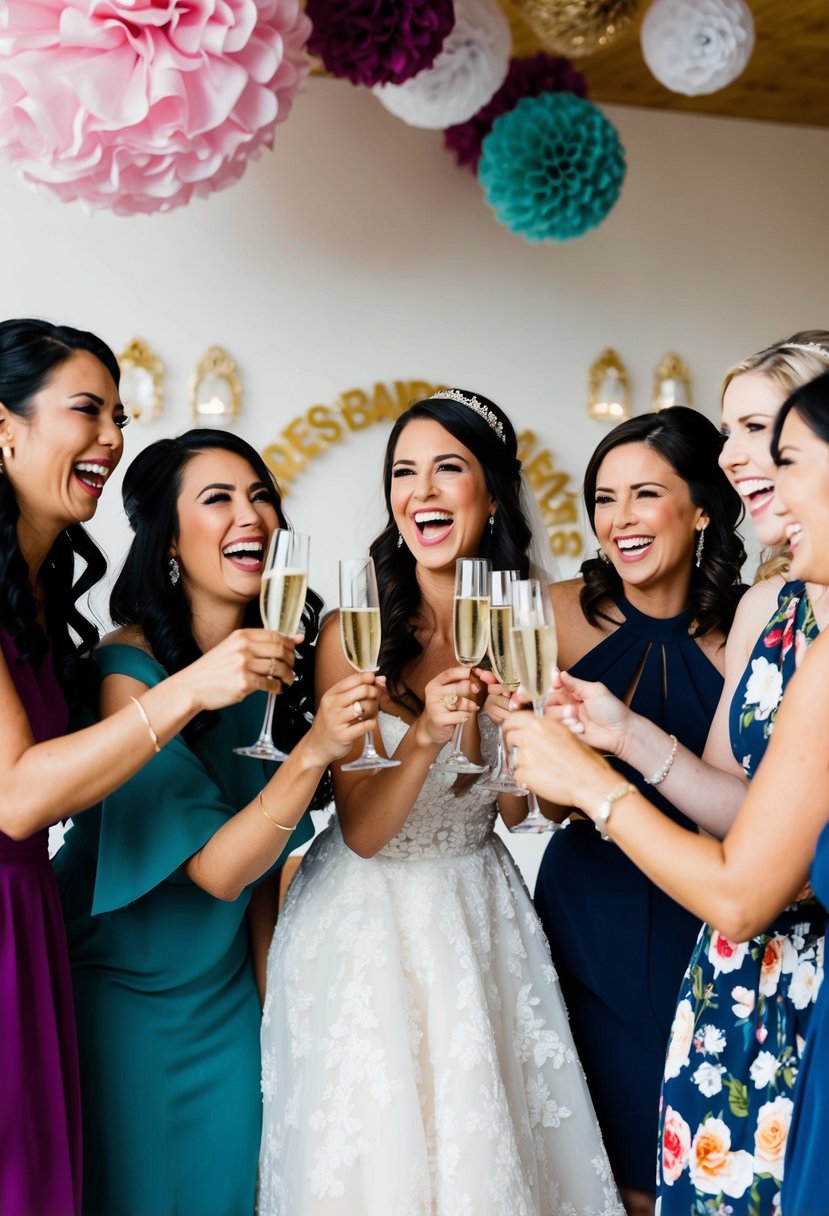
144, 596
506, 544
691, 445
811, 404
31, 351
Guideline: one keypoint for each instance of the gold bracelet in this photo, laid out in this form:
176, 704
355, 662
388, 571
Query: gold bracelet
281, 826
147, 722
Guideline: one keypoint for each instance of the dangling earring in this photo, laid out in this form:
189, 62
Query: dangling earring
175, 571
700, 544
399, 541
604, 557
492, 523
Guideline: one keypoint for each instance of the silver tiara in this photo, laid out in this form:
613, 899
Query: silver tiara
472, 403
810, 346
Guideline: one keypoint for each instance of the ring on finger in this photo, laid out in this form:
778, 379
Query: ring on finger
450, 699
357, 710
270, 675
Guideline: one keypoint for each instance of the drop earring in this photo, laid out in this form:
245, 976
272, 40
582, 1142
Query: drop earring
603, 557
700, 544
492, 523
174, 571
399, 541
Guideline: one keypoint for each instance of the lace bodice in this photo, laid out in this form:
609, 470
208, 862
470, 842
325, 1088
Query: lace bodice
452, 815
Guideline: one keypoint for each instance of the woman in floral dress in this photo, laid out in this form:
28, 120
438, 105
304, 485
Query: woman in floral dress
743, 1008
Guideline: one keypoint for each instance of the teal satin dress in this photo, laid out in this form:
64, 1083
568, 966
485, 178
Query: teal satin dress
167, 1007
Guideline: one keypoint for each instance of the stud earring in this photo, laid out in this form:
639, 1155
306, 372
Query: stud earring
174, 570
6, 451
700, 544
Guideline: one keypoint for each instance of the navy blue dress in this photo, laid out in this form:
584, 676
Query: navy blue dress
620, 944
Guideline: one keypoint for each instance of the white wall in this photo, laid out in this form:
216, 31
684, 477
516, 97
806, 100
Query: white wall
357, 252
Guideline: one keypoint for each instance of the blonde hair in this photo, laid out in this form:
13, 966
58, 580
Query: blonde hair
788, 364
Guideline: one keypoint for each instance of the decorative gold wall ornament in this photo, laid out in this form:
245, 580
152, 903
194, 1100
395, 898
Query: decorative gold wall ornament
142, 381
323, 426
672, 383
577, 27
215, 392
609, 388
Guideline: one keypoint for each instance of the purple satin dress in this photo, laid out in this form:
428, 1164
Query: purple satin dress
40, 1126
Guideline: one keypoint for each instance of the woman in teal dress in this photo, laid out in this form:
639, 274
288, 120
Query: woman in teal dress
742, 883
158, 882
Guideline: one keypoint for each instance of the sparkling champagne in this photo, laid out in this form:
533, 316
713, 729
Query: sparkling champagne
360, 633
501, 647
282, 598
536, 652
471, 629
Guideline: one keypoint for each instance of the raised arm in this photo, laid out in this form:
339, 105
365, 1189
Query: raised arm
44, 782
708, 789
738, 884
373, 807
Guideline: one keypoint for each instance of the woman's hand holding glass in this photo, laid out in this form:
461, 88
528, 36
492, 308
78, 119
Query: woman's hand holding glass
591, 711
471, 630
552, 762
505, 667
361, 633
281, 601
347, 712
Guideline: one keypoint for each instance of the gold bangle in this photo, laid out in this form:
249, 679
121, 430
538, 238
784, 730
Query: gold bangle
281, 826
147, 723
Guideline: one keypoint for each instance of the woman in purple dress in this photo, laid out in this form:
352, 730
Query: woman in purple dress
60, 439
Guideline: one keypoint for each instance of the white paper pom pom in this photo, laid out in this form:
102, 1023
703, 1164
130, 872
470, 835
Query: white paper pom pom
697, 46
468, 71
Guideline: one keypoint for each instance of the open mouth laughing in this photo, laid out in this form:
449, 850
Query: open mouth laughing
246, 553
757, 492
633, 548
92, 475
433, 526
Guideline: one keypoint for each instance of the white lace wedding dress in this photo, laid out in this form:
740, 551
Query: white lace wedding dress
416, 1054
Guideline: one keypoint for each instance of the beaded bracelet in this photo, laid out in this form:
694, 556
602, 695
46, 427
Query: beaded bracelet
662, 773
281, 826
147, 723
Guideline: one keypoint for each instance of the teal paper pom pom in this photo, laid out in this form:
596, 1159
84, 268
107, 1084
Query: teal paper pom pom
552, 167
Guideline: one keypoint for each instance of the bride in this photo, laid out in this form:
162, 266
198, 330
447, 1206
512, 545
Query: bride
416, 1054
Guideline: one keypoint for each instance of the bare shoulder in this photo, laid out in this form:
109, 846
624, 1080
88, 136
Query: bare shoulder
331, 664
757, 606
128, 635
576, 636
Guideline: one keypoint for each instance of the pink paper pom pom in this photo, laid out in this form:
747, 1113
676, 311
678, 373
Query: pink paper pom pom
137, 105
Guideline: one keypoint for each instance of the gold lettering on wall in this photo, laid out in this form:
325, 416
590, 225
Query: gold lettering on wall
323, 426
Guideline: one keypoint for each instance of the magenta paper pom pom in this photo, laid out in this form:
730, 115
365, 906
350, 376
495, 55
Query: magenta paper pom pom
135, 105
540, 73
373, 42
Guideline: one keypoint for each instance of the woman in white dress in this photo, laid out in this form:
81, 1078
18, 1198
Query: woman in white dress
417, 1058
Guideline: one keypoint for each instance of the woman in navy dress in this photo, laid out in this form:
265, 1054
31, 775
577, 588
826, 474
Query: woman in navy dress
746, 880
744, 1008
649, 619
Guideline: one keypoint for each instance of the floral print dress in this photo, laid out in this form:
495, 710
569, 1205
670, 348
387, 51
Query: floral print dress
744, 1007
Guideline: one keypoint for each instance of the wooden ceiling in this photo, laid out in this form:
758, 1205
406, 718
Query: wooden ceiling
786, 80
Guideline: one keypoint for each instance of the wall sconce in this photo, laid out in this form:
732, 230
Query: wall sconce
215, 392
142, 376
609, 388
672, 383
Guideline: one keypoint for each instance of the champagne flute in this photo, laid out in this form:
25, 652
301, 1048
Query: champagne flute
281, 600
471, 627
534, 636
360, 632
505, 665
